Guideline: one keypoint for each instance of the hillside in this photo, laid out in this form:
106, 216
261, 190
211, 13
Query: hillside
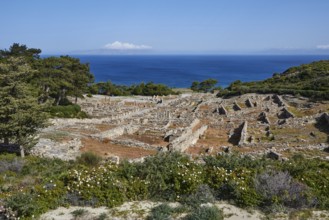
310, 80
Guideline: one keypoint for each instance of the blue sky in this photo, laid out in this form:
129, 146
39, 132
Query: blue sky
167, 26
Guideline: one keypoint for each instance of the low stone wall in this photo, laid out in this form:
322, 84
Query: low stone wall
135, 143
116, 132
187, 139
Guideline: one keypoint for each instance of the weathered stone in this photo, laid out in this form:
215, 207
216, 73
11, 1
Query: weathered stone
226, 149
285, 113
116, 132
278, 100
313, 134
263, 118
113, 159
169, 138
274, 155
244, 134
236, 107
282, 121
249, 103
324, 118
209, 150
222, 110
188, 137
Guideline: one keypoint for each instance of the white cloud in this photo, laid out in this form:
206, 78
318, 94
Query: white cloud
117, 45
323, 47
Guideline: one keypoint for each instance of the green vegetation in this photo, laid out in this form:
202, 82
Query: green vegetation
267, 184
205, 212
148, 89
20, 113
67, 111
89, 159
79, 213
207, 85
310, 80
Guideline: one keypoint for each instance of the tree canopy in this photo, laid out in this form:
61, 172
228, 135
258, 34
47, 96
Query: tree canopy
205, 86
20, 113
29, 84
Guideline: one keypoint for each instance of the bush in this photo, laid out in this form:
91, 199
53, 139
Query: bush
279, 188
79, 213
89, 159
67, 111
205, 212
102, 216
170, 175
11, 163
161, 212
202, 195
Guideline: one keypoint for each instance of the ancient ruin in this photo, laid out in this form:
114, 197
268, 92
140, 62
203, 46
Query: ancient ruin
135, 127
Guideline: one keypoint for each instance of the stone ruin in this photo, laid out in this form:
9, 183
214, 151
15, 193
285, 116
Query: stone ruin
135, 127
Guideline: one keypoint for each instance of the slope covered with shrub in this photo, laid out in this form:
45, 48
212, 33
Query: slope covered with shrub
310, 80
263, 183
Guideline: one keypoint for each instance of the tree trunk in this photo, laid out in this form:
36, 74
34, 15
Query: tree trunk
6, 141
58, 100
21, 148
76, 99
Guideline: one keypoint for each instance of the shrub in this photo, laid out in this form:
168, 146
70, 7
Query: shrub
314, 173
99, 184
279, 188
202, 195
161, 212
79, 213
89, 159
170, 175
102, 216
37, 200
22, 204
11, 164
205, 212
67, 111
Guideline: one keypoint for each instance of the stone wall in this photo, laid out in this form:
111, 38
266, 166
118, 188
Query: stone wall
187, 139
244, 134
116, 132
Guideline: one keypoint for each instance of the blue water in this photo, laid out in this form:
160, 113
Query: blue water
181, 71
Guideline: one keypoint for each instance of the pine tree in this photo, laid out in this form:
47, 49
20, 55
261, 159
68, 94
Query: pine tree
20, 113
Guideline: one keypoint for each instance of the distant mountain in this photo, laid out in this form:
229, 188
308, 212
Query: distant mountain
310, 80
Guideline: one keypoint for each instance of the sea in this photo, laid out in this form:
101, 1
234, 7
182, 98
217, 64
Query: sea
179, 71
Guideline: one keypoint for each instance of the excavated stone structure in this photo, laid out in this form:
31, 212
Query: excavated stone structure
134, 127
